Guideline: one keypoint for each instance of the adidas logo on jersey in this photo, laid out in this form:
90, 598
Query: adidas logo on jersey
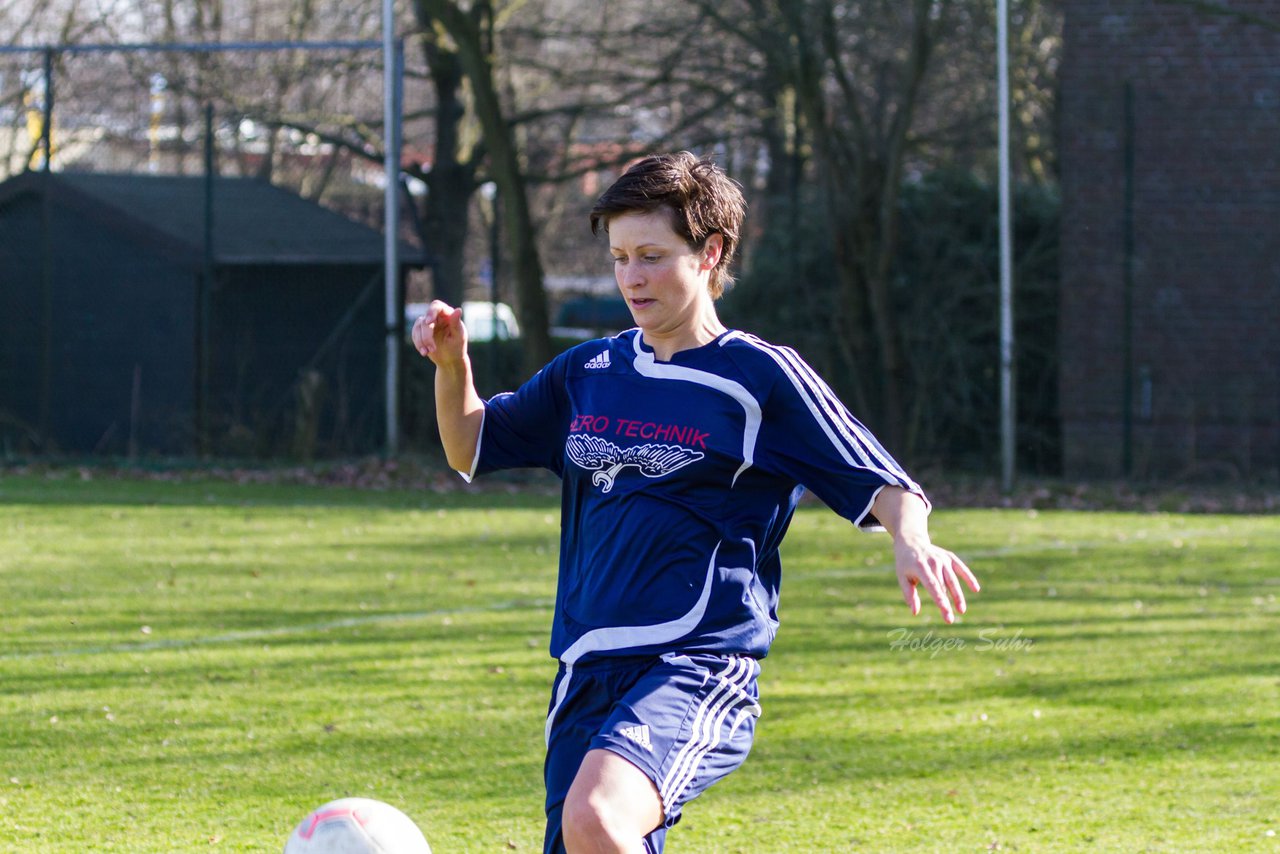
598, 362
638, 734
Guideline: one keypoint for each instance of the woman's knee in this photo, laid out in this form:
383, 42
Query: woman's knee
590, 824
611, 806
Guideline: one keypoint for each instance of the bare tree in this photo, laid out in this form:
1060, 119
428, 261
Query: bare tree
451, 179
838, 100
557, 91
471, 32
860, 96
22, 83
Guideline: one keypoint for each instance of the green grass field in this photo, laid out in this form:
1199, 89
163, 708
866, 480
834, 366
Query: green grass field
193, 666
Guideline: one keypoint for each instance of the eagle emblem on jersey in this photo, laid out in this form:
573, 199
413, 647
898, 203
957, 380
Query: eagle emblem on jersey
607, 459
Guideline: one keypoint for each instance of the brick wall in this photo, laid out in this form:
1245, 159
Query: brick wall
1206, 234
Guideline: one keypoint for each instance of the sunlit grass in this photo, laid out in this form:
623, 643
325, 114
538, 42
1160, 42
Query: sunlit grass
191, 667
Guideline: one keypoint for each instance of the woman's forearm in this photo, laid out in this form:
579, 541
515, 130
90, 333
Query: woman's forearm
459, 413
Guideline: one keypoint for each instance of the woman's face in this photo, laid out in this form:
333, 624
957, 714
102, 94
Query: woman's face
663, 281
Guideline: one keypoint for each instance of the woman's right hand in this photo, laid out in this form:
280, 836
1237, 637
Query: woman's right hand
440, 334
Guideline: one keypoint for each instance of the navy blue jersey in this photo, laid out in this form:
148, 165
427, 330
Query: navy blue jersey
679, 481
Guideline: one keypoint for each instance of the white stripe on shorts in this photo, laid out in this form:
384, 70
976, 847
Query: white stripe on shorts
561, 693
708, 725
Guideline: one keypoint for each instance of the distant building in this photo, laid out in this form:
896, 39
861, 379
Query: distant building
121, 330
1170, 323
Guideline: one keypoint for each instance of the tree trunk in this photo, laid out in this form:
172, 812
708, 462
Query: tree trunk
451, 180
860, 160
468, 35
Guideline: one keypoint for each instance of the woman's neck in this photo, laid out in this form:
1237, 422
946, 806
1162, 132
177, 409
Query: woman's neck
703, 331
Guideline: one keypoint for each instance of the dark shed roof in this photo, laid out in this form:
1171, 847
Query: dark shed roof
253, 221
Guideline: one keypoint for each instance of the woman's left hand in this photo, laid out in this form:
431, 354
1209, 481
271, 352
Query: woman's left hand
935, 569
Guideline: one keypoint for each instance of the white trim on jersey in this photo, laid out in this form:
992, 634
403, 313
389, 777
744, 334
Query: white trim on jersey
627, 637
475, 458
831, 415
832, 404
866, 511
647, 366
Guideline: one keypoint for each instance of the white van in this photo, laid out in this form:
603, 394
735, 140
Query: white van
483, 322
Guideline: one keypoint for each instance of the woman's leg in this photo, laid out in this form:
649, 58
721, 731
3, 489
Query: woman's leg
612, 805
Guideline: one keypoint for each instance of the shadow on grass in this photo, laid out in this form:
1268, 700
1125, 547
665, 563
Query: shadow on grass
838, 755
497, 491
867, 639
485, 754
325, 632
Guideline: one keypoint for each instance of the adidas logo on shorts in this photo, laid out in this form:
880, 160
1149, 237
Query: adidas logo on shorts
638, 734
598, 362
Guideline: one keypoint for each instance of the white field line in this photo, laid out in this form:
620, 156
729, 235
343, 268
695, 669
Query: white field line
276, 632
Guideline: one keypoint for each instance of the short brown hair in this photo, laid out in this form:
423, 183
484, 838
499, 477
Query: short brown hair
703, 201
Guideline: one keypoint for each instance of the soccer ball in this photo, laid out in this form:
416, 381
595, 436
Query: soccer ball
357, 826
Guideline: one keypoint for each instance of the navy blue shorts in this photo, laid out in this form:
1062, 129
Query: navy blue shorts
685, 720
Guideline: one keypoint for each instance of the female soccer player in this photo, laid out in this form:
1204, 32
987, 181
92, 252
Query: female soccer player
683, 448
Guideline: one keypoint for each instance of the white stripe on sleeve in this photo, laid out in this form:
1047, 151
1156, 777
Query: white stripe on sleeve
831, 416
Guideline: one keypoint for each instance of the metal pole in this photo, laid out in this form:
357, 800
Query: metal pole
204, 296
495, 255
1008, 421
1126, 320
46, 255
193, 47
46, 128
392, 51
